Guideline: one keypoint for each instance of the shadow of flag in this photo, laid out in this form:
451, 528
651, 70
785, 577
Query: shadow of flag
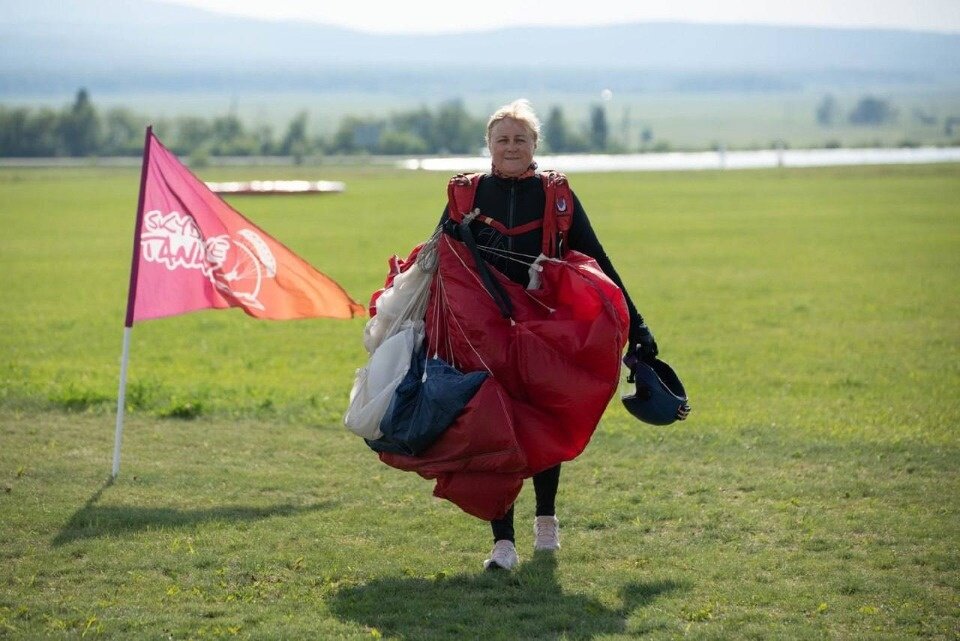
94, 521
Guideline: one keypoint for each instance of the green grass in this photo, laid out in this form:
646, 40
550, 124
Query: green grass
813, 494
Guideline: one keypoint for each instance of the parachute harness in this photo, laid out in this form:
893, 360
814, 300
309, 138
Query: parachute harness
519, 421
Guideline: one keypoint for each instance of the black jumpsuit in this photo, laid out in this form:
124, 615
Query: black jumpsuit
515, 202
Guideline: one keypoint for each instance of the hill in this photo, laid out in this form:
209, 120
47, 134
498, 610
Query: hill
53, 46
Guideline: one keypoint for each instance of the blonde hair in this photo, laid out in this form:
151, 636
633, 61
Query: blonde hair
520, 110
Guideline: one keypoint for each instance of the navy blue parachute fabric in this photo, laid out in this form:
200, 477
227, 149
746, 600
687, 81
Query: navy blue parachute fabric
424, 406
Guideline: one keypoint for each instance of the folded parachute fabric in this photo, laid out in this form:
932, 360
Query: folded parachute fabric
403, 300
375, 383
392, 336
428, 399
554, 365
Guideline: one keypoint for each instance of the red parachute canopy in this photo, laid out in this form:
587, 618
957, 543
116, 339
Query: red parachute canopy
554, 366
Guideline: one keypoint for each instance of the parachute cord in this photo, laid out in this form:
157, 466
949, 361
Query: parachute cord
431, 335
480, 282
449, 339
490, 283
539, 302
427, 258
504, 252
464, 334
449, 342
472, 273
441, 308
450, 314
436, 316
505, 257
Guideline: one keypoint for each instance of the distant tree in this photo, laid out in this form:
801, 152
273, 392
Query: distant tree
625, 129
455, 130
872, 111
229, 137
367, 135
295, 140
80, 127
419, 123
559, 137
924, 118
555, 131
343, 138
646, 137
190, 133
266, 146
123, 133
949, 125
42, 133
12, 131
226, 129
450, 129
599, 130
827, 111
402, 142
24, 132
357, 134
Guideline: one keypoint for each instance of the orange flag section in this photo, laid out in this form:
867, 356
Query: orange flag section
289, 286
194, 251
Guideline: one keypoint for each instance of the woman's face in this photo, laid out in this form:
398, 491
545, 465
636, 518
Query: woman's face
511, 146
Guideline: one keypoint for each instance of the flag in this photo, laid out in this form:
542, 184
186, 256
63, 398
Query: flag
193, 251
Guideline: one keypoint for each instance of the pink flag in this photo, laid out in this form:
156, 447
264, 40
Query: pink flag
193, 251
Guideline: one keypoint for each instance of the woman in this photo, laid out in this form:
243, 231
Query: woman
513, 195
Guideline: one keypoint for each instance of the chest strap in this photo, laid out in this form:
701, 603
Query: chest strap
557, 212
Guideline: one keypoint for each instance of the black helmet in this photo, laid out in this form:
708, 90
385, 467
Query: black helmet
659, 398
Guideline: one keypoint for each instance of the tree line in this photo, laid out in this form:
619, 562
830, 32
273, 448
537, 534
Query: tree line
81, 130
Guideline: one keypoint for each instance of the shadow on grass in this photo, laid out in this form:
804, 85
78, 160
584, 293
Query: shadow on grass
92, 520
528, 603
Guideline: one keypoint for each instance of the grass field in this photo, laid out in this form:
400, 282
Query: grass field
813, 494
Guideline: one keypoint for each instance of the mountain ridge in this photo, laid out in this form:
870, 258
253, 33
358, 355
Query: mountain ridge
101, 42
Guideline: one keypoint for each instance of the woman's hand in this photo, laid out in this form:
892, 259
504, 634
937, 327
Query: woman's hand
646, 349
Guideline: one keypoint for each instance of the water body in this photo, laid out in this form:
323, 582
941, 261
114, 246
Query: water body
572, 163
707, 160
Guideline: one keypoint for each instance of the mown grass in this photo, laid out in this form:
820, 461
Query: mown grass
813, 494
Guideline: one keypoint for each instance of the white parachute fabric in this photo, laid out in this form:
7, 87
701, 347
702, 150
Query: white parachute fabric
375, 383
391, 338
405, 300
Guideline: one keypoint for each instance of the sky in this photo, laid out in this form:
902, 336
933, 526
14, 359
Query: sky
440, 16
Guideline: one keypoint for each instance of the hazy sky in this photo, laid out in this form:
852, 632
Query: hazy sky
449, 15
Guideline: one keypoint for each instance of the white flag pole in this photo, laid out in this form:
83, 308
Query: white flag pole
131, 301
121, 401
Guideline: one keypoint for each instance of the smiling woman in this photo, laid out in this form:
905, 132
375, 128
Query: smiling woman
523, 292
512, 135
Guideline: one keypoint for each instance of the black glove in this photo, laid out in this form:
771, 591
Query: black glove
646, 349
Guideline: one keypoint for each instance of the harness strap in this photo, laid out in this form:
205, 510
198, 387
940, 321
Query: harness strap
491, 284
461, 192
511, 231
557, 212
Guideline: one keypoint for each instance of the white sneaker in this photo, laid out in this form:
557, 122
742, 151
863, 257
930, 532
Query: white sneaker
503, 556
546, 533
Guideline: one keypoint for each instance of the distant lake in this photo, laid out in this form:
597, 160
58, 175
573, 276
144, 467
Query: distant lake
688, 161
571, 163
